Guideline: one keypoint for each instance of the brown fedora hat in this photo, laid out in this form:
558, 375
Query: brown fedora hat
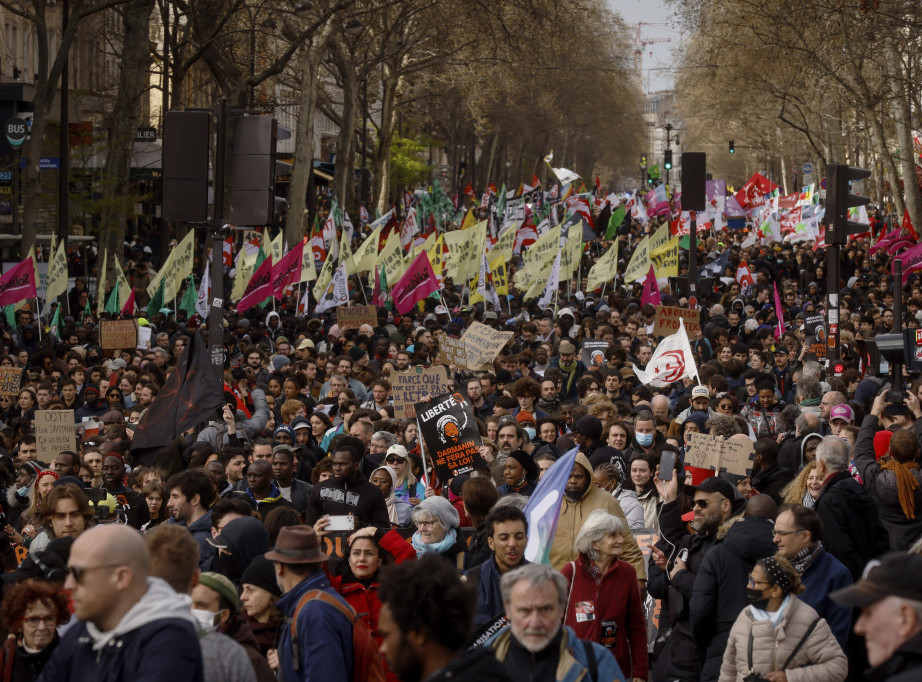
297, 545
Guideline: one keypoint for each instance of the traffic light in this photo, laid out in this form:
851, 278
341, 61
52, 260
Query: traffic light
643, 160
839, 200
667, 159
732, 147
186, 136
254, 169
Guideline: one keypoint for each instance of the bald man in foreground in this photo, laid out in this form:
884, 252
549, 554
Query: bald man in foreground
132, 627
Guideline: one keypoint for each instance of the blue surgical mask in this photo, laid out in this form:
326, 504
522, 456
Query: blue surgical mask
531, 432
645, 439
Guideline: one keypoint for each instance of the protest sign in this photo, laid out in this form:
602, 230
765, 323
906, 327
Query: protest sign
452, 351
353, 317
715, 452
667, 321
450, 435
812, 322
411, 386
483, 344
118, 334
54, 432
593, 353
10, 379
815, 346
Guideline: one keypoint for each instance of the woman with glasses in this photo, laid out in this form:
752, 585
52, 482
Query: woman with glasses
778, 632
115, 399
726, 405
31, 612
437, 522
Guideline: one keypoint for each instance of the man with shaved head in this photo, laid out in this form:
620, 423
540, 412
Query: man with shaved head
127, 618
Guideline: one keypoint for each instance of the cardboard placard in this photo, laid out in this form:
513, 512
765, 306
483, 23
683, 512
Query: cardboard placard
483, 344
816, 346
411, 386
54, 431
452, 351
353, 317
450, 435
10, 380
118, 334
593, 353
666, 322
717, 453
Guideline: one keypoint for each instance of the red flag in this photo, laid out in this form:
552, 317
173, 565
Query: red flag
743, 276
907, 225
650, 290
317, 245
752, 193
535, 182
259, 288
18, 283
128, 308
228, 252
287, 271
469, 191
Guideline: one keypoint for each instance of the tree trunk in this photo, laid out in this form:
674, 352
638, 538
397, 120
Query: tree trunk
388, 123
346, 140
135, 65
902, 117
311, 56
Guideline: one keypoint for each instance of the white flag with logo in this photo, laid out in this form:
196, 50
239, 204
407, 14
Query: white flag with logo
337, 291
672, 361
202, 305
552, 283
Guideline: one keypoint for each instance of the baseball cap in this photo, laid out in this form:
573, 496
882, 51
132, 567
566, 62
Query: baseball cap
897, 574
398, 451
717, 485
441, 310
842, 411
223, 586
305, 344
701, 392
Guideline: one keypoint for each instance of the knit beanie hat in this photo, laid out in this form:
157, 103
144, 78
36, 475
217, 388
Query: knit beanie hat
223, 586
882, 443
441, 509
261, 573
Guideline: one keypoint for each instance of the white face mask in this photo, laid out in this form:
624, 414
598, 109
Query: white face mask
205, 619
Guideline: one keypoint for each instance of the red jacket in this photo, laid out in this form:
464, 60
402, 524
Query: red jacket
615, 604
365, 599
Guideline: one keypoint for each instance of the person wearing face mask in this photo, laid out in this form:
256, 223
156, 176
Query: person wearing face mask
778, 632
238, 543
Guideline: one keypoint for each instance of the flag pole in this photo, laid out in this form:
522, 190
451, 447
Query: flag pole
422, 455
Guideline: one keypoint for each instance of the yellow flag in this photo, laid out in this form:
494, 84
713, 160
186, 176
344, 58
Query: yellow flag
639, 265
542, 251
101, 283
57, 274
345, 253
391, 258
176, 269
504, 245
365, 256
666, 259
604, 269
435, 252
469, 220
659, 238
308, 270
464, 251
498, 266
326, 275
278, 247
243, 272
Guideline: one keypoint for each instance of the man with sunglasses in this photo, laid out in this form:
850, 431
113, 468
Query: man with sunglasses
675, 562
127, 619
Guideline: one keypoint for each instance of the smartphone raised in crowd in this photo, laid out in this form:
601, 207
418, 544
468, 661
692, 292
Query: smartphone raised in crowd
666, 465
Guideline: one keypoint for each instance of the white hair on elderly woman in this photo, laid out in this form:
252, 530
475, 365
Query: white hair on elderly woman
598, 524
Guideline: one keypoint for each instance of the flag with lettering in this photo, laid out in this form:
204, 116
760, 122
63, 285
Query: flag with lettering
202, 304
336, 292
287, 271
18, 283
259, 288
415, 284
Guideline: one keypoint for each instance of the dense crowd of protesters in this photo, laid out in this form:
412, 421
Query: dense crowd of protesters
216, 558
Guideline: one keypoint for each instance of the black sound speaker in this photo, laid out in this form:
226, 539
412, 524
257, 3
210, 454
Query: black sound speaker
694, 176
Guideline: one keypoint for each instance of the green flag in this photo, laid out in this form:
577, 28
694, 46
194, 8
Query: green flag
156, 301
10, 311
189, 298
615, 222
89, 313
56, 322
112, 305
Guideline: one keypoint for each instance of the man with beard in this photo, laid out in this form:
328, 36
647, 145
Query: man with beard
94, 406
675, 561
536, 646
425, 625
191, 494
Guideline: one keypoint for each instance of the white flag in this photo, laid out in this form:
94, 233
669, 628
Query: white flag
552, 283
672, 360
484, 288
337, 291
202, 304
410, 228
565, 175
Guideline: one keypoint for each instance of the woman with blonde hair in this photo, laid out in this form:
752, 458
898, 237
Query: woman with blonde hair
778, 633
804, 489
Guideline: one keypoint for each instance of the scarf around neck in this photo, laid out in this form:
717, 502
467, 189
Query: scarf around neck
434, 547
802, 560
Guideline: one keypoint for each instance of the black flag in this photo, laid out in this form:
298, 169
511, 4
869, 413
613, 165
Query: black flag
190, 395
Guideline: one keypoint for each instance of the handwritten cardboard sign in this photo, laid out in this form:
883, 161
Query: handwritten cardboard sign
452, 351
411, 386
10, 379
353, 317
483, 344
666, 322
118, 334
717, 453
54, 432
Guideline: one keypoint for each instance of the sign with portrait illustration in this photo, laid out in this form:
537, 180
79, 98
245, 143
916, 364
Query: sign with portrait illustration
449, 434
593, 352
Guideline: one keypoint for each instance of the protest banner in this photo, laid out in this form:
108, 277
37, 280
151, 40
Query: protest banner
717, 453
118, 334
812, 322
483, 344
667, 320
593, 353
353, 317
412, 386
10, 380
54, 432
452, 351
450, 435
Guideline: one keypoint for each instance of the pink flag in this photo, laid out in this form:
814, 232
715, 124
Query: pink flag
259, 288
650, 290
288, 270
898, 243
128, 308
779, 314
911, 259
885, 241
18, 283
416, 283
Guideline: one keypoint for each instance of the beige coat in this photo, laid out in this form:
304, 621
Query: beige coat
820, 659
574, 514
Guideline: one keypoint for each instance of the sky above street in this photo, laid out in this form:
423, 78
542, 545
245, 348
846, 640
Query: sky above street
658, 23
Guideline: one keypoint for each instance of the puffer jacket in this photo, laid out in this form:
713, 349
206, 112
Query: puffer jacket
765, 422
630, 505
574, 513
820, 658
881, 483
216, 433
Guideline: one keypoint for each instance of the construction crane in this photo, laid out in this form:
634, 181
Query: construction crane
640, 43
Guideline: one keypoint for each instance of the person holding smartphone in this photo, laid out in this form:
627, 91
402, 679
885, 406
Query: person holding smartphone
347, 492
